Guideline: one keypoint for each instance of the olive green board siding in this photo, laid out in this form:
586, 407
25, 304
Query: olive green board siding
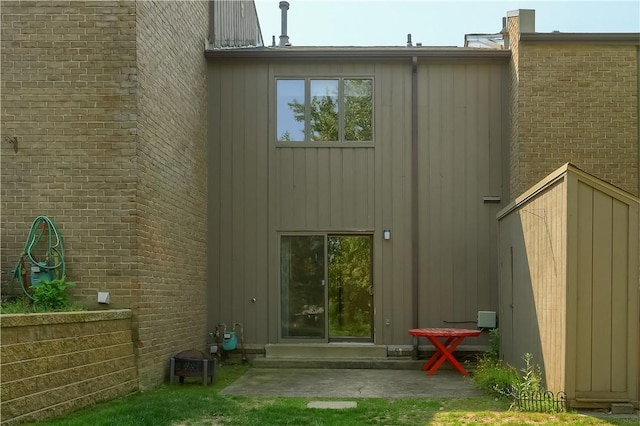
460, 153
261, 189
568, 289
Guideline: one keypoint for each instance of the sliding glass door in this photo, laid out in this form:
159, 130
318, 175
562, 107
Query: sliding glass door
326, 287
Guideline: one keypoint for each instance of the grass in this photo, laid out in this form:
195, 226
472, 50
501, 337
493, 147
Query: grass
194, 405
24, 306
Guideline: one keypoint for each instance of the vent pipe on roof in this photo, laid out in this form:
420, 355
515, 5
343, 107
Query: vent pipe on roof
409, 44
284, 38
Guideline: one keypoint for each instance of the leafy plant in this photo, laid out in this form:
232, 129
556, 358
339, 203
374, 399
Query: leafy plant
494, 377
51, 295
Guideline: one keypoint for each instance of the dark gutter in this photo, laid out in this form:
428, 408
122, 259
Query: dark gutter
632, 38
267, 53
415, 236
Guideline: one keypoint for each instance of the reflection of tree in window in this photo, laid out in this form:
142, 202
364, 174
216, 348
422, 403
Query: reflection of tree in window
323, 110
324, 115
358, 109
289, 128
349, 282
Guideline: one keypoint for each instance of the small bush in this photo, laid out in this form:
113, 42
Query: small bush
51, 295
495, 378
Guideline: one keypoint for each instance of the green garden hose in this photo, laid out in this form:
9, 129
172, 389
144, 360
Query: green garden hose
54, 255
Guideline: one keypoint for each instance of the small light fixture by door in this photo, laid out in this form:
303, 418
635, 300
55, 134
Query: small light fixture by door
387, 234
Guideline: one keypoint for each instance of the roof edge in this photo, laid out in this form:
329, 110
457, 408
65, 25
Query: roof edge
557, 175
356, 53
632, 38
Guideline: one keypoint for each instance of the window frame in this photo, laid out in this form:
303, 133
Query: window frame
341, 142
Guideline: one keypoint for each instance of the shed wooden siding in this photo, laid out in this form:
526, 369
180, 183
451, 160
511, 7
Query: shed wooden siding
534, 291
606, 306
260, 188
569, 286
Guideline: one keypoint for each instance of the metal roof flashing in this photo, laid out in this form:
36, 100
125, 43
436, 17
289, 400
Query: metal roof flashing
556, 36
356, 53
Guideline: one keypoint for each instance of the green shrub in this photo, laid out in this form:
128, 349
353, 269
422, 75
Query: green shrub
51, 295
495, 378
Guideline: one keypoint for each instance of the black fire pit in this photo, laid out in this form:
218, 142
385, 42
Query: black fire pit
192, 363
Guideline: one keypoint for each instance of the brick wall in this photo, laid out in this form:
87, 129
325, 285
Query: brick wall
574, 102
513, 29
68, 94
107, 101
51, 364
172, 130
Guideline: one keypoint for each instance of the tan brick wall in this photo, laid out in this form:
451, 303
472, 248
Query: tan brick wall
172, 122
51, 364
573, 102
108, 103
68, 94
578, 102
513, 29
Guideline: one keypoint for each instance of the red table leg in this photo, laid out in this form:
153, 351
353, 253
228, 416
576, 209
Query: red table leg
445, 352
435, 356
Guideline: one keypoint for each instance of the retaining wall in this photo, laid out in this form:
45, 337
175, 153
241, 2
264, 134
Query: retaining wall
53, 363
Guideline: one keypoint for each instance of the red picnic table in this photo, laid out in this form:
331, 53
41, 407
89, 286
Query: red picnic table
452, 337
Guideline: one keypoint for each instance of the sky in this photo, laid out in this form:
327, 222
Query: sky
433, 23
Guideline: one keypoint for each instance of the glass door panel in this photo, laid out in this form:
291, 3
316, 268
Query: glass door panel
302, 284
350, 287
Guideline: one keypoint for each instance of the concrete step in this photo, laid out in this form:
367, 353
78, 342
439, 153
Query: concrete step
326, 351
395, 363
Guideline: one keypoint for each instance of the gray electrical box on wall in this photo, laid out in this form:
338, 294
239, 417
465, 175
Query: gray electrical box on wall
486, 319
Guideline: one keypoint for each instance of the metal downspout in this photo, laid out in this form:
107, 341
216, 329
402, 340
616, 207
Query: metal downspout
415, 240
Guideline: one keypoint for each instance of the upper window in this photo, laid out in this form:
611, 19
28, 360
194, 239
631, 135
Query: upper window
324, 110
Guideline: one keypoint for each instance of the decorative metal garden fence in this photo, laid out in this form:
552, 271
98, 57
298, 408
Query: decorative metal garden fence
542, 401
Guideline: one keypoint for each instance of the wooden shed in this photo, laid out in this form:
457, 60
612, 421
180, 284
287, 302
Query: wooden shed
568, 292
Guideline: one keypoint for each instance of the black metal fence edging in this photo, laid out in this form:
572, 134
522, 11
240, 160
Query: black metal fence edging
542, 401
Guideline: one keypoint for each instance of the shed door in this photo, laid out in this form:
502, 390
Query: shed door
326, 287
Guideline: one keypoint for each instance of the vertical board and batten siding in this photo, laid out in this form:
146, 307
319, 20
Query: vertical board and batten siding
606, 340
461, 110
260, 189
238, 203
392, 258
351, 189
234, 24
568, 287
533, 299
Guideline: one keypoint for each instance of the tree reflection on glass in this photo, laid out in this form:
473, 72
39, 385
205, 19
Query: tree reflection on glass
358, 110
324, 111
290, 92
302, 286
349, 284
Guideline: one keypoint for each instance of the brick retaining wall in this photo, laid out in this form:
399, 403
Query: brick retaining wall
51, 364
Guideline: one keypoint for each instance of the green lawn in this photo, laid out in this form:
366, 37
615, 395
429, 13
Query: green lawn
192, 404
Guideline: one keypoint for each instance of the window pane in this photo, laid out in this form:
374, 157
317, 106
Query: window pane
302, 286
324, 110
290, 114
358, 110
